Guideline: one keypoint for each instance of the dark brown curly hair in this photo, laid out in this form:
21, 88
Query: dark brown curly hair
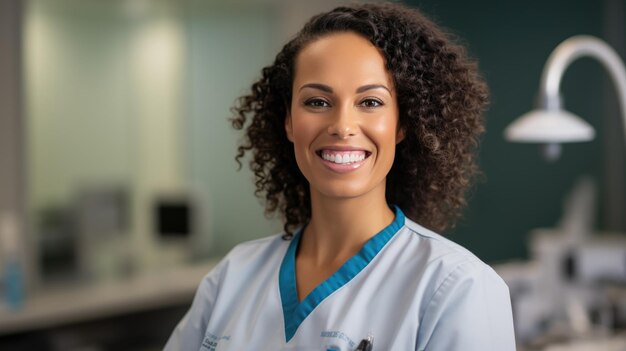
441, 99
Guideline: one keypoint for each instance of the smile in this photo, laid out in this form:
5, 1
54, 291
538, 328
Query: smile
343, 157
342, 161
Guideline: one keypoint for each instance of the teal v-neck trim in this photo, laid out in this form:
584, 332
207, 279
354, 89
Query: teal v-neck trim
295, 312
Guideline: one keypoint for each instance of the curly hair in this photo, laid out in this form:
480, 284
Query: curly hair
441, 99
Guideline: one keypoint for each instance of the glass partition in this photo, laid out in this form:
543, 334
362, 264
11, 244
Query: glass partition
130, 152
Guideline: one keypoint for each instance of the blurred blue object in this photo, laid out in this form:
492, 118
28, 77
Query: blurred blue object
14, 284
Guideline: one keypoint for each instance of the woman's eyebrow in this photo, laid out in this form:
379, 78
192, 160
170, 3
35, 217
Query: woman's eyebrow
328, 89
318, 86
372, 86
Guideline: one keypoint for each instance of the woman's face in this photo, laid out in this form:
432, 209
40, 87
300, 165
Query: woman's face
343, 120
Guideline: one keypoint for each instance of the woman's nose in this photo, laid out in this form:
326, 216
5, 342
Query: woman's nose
343, 124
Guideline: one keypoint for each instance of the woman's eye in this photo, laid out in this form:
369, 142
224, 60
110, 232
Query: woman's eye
317, 103
371, 103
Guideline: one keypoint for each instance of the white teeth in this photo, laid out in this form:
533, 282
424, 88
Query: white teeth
345, 158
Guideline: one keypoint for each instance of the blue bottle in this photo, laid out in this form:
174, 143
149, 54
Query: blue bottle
13, 284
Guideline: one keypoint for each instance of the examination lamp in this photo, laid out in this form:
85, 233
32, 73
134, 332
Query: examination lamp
550, 124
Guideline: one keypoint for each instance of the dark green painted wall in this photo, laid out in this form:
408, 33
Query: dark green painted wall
512, 41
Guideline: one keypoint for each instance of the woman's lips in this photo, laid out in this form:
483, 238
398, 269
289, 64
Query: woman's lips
343, 161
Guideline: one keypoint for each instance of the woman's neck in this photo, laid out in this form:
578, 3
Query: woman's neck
339, 227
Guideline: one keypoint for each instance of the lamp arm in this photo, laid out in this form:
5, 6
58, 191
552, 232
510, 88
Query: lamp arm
572, 49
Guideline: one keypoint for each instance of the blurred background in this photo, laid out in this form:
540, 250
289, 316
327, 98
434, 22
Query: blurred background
119, 189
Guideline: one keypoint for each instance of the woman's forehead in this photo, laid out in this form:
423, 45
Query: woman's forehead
343, 59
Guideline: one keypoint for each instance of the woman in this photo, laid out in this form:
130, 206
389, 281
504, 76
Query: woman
369, 113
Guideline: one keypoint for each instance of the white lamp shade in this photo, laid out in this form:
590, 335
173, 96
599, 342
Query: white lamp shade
549, 126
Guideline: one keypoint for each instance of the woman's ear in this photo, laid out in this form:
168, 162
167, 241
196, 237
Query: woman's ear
289, 127
400, 136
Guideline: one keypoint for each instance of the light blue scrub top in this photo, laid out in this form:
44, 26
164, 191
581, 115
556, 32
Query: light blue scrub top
409, 288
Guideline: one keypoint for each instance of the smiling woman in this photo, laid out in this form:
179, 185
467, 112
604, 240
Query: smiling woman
370, 111
351, 114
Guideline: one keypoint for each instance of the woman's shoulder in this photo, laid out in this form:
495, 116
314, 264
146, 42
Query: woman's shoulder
258, 250
457, 289
444, 259
247, 260
436, 241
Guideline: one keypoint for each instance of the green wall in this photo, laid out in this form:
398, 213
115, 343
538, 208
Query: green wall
227, 47
512, 40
